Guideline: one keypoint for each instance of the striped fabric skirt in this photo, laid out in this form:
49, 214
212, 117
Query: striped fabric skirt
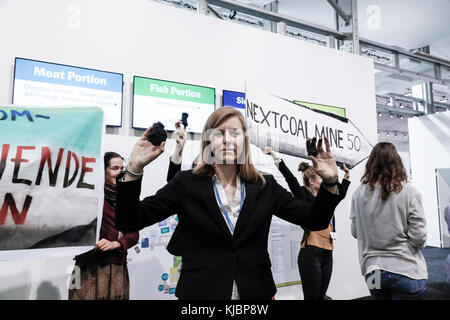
94, 282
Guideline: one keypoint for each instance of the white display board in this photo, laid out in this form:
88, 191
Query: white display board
39, 83
284, 237
165, 101
428, 145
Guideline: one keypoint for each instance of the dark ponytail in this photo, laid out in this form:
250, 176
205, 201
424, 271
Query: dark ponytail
308, 172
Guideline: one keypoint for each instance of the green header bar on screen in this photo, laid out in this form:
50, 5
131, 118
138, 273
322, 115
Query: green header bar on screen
173, 90
336, 110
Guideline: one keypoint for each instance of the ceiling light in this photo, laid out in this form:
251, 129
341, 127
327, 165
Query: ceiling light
400, 77
380, 114
391, 116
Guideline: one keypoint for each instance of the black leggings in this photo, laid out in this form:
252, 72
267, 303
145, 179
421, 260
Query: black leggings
315, 265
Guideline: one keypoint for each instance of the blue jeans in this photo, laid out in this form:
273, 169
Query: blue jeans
394, 286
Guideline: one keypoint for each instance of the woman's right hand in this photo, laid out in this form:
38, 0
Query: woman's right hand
180, 135
143, 153
266, 150
324, 164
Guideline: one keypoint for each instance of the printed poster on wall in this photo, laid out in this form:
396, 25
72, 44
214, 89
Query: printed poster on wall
51, 177
39, 83
165, 101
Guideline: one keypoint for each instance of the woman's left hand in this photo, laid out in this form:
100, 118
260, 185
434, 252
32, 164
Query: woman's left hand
180, 135
106, 245
324, 163
346, 170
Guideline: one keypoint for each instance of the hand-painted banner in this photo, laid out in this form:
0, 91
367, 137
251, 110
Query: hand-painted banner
285, 125
51, 176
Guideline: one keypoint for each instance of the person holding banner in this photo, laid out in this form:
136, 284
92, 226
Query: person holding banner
315, 259
103, 270
225, 206
388, 219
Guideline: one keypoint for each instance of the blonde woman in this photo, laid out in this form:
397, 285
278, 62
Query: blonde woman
225, 206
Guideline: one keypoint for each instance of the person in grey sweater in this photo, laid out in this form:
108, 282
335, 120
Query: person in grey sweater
388, 219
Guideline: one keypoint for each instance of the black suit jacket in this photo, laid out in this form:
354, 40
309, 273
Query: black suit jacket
213, 257
176, 243
302, 192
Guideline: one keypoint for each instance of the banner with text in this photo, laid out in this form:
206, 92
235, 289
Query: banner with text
285, 125
51, 176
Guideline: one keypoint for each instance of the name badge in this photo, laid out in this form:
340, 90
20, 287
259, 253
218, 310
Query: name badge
333, 235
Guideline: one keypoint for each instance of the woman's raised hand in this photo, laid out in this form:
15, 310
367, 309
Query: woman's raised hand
143, 153
324, 163
180, 135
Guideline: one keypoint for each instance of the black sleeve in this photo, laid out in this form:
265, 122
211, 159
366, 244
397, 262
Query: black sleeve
315, 215
343, 187
291, 180
133, 214
173, 170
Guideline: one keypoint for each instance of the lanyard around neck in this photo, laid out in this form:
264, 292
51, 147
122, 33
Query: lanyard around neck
224, 211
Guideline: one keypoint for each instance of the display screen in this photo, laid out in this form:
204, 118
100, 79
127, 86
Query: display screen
38, 83
335, 110
165, 101
234, 99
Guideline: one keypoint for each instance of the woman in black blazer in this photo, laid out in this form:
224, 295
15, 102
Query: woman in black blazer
226, 207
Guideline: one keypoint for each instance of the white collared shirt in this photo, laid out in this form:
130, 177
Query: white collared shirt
233, 213
233, 207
